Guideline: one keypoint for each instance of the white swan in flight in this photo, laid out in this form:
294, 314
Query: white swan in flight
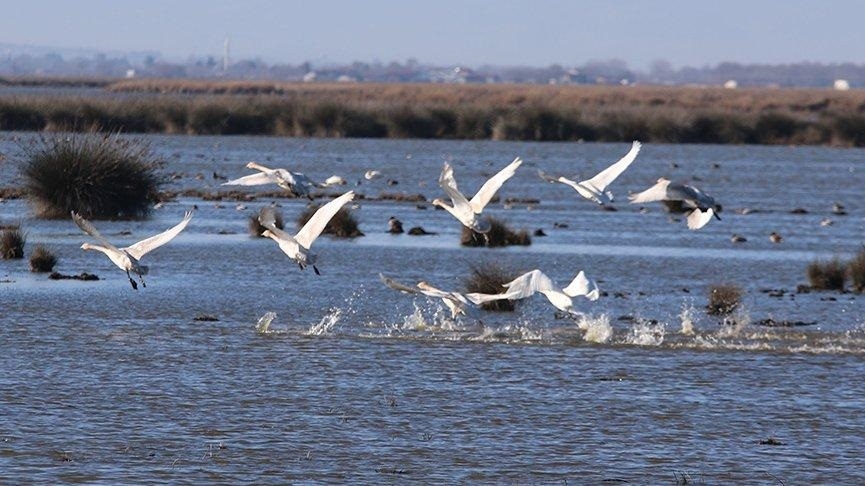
456, 302
467, 211
536, 281
297, 246
596, 187
128, 258
701, 206
296, 183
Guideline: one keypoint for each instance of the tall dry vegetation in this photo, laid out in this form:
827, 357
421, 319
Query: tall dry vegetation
504, 112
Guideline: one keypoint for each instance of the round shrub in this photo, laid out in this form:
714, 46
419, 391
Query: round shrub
100, 176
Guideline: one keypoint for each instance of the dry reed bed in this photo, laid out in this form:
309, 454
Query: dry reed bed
501, 112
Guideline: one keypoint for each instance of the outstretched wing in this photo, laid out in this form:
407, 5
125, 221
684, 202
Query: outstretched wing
139, 249
257, 179
658, 192
398, 286
519, 288
608, 175
581, 285
449, 185
697, 218
90, 230
319, 220
488, 190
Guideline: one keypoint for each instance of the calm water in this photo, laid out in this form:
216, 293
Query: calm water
101, 384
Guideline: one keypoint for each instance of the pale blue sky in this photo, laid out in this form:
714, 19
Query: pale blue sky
470, 32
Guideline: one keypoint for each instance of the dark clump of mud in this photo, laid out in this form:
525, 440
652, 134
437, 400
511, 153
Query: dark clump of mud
80, 276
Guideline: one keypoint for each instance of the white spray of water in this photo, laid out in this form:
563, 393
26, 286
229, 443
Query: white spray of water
687, 315
263, 325
647, 333
596, 329
735, 322
326, 324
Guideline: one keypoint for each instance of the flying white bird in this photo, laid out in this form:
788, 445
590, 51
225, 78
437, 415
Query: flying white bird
296, 183
536, 281
700, 205
596, 187
297, 246
467, 211
456, 302
128, 258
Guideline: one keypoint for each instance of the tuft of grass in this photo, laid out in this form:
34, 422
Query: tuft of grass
12, 243
256, 229
723, 299
499, 235
856, 269
827, 275
100, 176
42, 260
488, 278
343, 224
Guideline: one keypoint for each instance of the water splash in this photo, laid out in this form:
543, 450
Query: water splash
689, 312
263, 325
596, 329
326, 324
647, 333
735, 322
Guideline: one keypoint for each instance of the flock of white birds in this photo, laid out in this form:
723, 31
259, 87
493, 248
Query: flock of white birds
701, 208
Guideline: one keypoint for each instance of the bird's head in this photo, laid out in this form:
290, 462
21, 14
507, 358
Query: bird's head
87, 246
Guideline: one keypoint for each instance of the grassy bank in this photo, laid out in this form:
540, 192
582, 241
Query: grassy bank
498, 112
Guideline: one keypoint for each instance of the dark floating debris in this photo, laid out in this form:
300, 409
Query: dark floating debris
799, 211
205, 318
769, 322
81, 276
771, 441
539, 232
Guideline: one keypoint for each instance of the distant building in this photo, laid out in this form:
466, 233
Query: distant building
841, 85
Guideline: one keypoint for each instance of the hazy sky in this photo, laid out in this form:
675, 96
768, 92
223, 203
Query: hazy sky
470, 32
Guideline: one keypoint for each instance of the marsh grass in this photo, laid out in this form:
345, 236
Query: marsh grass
723, 299
499, 235
488, 278
100, 176
343, 224
827, 275
856, 269
12, 242
255, 227
42, 260
501, 112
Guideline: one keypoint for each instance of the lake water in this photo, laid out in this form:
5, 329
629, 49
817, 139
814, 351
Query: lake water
357, 383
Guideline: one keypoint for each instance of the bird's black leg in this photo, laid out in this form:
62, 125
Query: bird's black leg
316, 270
134, 285
301, 265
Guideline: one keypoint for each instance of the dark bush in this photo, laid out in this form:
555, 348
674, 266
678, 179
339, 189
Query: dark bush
342, 225
856, 268
100, 176
499, 235
12, 243
827, 275
489, 278
42, 260
723, 299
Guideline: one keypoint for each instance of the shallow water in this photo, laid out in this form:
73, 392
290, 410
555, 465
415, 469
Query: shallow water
357, 383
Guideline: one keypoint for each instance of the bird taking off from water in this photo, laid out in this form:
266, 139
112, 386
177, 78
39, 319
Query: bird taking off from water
128, 258
456, 302
596, 187
700, 205
297, 246
296, 183
468, 211
529, 283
